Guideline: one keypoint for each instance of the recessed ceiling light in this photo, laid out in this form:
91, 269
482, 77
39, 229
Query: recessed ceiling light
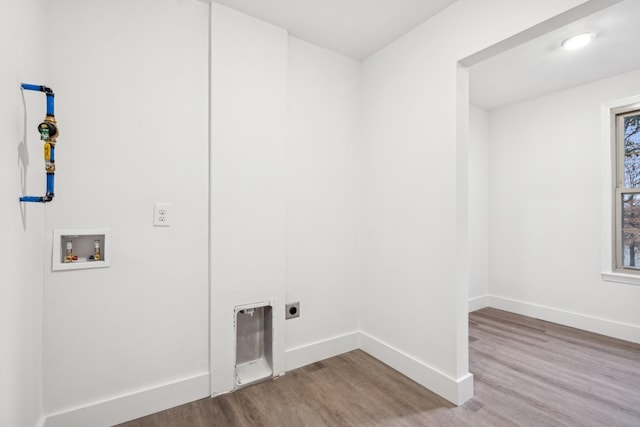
577, 41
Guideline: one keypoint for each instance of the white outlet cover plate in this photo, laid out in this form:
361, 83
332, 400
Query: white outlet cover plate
162, 215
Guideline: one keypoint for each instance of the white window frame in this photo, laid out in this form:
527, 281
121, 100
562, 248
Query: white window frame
612, 159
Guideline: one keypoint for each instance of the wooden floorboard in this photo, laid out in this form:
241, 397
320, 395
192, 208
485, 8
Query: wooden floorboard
527, 372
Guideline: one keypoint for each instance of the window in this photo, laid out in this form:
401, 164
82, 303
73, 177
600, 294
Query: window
626, 121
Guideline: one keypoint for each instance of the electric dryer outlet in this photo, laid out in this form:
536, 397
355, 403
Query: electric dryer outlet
293, 310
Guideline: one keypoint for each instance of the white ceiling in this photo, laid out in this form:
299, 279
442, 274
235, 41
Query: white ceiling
541, 67
359, 28
356, 28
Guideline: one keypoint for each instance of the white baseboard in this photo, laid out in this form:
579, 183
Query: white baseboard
478, 302
585, 322
139, 404
311, 353
455, 391
135, 405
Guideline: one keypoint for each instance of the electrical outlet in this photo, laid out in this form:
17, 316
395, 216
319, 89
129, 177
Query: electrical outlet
162, 215
293, 310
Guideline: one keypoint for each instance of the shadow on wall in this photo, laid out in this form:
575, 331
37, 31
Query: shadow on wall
23, 161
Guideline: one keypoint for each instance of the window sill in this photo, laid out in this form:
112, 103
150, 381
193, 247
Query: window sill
631, 279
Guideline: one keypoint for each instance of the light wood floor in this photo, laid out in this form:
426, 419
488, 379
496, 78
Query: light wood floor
527, 373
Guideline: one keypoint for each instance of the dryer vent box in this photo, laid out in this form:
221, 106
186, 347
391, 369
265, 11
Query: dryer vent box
254, 344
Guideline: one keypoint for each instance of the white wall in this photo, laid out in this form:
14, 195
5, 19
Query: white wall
478, 203
285, 185
131, 102
545, 210
132, 106
22, 27
248, 236
414, 269
323, 197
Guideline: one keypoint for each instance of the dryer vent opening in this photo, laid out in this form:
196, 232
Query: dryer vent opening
254, 344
